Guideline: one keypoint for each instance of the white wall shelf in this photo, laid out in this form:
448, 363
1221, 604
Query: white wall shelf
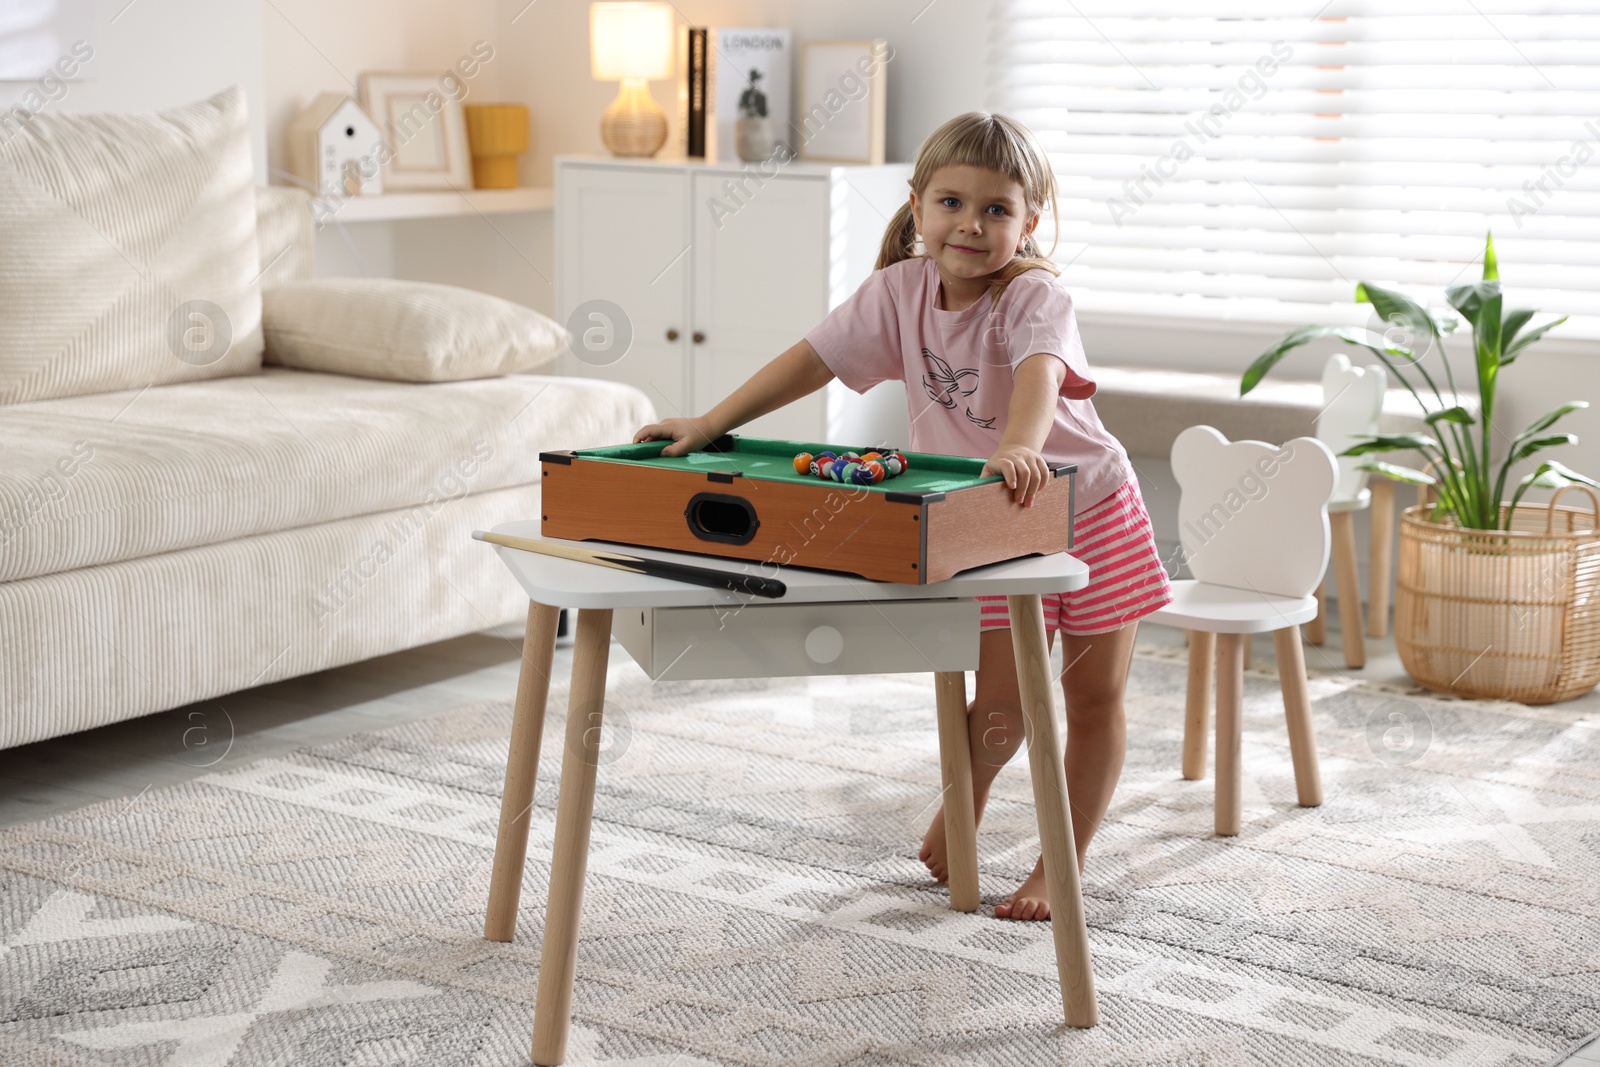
446, 204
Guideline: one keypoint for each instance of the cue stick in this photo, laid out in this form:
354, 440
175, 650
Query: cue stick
682, 572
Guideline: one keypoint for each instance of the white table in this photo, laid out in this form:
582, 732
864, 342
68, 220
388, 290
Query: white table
811, 630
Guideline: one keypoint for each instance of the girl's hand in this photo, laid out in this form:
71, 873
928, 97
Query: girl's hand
1024, 470
685, 435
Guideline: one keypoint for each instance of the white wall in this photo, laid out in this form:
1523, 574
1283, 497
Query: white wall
936, 72
155, 54
542, 60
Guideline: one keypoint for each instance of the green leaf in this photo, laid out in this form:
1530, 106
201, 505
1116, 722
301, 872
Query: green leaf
1549, 419
1350, 335
1396, 308
1539, 444
1486, 338
1509, 326
1456, 414
1550, 475
1491, 266
1514, 348
1553, 475
1391, 442
1409, 475
1470, 298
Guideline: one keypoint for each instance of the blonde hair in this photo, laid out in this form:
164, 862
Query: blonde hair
994, 142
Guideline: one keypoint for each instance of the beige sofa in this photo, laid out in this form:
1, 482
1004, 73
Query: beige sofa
173, 543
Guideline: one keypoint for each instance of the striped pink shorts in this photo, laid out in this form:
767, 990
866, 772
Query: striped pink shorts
1127, 579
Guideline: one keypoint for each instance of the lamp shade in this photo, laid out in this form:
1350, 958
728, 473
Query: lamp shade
631, 40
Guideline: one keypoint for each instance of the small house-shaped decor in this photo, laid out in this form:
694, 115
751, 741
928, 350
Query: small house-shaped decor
333, 145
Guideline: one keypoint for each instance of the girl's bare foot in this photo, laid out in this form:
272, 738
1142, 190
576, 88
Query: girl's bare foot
1029, 901
934, 854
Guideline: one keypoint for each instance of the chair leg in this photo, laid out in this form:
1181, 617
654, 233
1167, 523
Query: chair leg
1352, 626
558, 963
955, 768
1297, 713
522, 769
1317, 628
1197, 702
1230, 709
1051, 807
1382, 551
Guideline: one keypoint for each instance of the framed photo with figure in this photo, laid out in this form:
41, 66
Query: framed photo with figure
422, 123
841, 113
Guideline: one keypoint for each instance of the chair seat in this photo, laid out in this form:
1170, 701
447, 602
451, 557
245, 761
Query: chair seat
1360, 502
1222, 609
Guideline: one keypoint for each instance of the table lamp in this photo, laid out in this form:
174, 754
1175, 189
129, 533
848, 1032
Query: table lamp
631, 43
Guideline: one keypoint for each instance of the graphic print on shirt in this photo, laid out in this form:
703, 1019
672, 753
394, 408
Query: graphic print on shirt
947, 383
987, 424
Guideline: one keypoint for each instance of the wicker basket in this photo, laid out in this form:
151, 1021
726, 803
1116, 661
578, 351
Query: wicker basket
1509, 614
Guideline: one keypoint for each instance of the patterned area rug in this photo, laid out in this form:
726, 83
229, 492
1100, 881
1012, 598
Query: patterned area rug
754, 895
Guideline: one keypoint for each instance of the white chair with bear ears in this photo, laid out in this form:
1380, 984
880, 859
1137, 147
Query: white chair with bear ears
1352, 399
1253, 521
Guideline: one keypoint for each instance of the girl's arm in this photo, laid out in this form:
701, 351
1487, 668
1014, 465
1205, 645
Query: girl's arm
796, 373
1034, 390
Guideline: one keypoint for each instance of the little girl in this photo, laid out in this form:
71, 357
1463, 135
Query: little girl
977, 326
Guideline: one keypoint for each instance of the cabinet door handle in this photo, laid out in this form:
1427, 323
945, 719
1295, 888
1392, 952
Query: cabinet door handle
672, 335
699, 337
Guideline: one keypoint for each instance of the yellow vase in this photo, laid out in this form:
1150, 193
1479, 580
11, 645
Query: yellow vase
497, 134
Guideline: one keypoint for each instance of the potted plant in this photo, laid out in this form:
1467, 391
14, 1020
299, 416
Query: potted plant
752, 131
1494, 598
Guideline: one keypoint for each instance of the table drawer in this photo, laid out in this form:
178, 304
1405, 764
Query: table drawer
773, 640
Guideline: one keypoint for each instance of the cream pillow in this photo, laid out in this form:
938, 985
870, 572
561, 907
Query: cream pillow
128, 252
404, 331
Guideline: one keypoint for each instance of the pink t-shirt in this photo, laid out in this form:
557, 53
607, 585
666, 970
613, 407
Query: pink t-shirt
959, 366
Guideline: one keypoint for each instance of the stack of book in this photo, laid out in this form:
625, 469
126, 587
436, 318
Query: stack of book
724, 68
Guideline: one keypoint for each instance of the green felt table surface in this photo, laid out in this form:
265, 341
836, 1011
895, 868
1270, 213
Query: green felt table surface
772, 459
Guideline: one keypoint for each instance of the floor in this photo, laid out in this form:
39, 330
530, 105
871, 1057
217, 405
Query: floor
127, 759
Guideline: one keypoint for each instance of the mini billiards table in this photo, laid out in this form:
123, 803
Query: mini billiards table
742, 498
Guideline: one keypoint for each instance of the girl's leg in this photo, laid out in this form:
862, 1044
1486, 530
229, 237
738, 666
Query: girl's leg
995, 730
1094, 681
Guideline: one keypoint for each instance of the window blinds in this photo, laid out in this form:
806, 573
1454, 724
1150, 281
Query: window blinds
1254, 162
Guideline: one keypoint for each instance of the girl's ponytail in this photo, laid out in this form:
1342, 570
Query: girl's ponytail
899, 240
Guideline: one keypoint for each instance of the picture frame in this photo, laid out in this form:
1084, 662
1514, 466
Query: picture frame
841, 112
424, 127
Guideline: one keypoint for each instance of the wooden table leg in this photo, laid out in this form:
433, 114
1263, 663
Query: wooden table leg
1197, 702
522, 768
1297, 713
1352, 627
955, 768
1067, 921
558, 964
1230, 709
1381, 551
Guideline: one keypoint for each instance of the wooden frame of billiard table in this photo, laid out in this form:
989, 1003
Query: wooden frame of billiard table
880, 534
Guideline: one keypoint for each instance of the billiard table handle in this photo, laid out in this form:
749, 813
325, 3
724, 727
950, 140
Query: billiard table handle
672, 334
732, 518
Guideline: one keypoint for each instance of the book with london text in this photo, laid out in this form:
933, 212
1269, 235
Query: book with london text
745, 71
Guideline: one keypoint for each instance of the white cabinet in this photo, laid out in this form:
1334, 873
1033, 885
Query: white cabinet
688, 277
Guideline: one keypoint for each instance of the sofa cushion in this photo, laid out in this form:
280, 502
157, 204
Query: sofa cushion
129, 256
404, 330
285, 235
116, 476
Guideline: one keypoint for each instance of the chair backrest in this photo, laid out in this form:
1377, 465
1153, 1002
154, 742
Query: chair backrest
1251, 515
1352, 401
